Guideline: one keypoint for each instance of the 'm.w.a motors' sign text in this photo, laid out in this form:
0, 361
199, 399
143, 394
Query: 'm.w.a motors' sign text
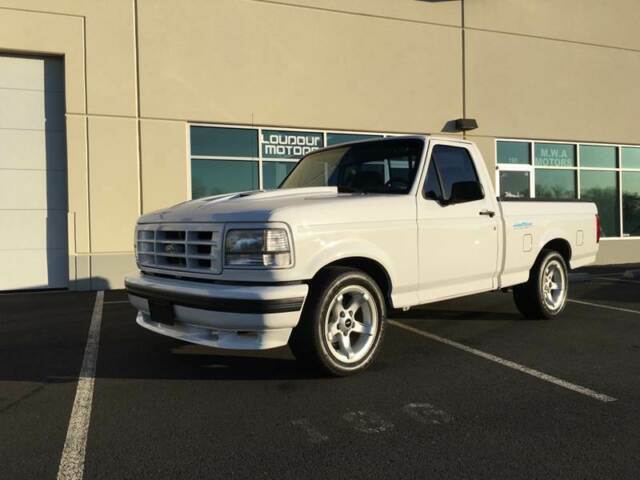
555, 155
289, 144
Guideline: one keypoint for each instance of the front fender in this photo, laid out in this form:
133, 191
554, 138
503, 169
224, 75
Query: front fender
394, 249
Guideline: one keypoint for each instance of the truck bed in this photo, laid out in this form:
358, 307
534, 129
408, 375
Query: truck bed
529, 224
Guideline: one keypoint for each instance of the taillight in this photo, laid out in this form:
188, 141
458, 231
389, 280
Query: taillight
597, 228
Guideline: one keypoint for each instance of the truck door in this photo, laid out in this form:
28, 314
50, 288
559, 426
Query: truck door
457, 226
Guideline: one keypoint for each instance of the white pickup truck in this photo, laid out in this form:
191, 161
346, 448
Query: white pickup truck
354, 231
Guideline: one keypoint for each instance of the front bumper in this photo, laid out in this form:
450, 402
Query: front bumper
246, 317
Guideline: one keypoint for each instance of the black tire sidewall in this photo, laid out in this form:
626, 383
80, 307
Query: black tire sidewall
350, 277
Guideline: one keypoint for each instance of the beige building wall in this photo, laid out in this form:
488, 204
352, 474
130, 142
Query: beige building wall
137, 72
549, 70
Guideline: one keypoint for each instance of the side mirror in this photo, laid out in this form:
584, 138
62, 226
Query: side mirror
465, 192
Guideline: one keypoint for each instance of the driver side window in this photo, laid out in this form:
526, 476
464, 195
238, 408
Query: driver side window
448, 167
432, 189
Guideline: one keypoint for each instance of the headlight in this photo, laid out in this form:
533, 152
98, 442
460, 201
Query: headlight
257, 248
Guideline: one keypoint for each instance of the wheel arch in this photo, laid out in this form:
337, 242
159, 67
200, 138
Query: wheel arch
371, 267
560, 245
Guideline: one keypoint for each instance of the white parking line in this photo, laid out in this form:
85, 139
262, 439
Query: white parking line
608, 307
621, 280
116, 301
507, 363
72, 461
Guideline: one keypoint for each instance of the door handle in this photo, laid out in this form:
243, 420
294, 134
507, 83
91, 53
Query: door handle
489, 213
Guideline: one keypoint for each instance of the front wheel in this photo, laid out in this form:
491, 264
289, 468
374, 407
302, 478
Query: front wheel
342, 323
545, 294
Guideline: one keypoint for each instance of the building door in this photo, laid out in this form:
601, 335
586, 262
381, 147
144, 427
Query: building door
33, 174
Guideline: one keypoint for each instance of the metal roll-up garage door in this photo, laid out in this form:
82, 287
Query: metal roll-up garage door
33, 174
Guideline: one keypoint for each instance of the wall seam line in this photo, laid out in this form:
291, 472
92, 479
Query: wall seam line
464, 67
357, 14
26, 10
136, 46
439, 24
87, 149
552, 39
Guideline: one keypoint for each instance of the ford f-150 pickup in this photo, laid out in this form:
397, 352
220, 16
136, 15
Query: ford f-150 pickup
353, 232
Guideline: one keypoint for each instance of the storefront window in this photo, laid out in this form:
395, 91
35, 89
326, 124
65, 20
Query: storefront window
513, 152
514, 184
215, 177
555, 155
232, 159
601, 156
602, 189
273, 173
630, 157
631, 203
609, 176
290, 144
555, 184
224, 142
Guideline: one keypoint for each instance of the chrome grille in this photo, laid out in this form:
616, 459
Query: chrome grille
184, 247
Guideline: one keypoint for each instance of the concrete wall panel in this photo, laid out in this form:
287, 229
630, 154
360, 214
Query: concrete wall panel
613, 23
108, 271
487, 147
110, 47
78, 183
448, 12
526, 87
49, 34
295, 66
113, 183
618, 251
164, 164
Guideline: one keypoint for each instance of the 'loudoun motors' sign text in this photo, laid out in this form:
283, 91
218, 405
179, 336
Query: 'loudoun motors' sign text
289, 144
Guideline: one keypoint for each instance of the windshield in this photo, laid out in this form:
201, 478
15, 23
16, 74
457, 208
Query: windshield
387, 166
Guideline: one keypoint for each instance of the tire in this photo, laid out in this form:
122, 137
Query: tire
544, 296
330, 338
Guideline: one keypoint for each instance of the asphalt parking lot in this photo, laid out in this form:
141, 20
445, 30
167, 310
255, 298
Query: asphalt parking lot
462, 389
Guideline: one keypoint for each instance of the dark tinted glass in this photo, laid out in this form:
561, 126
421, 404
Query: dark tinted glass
387, 166
455, 165
514, 152
630, 157
514, 184
631, 203
553, 184
274, 172
224, 142
555, 155
214, 177
602, 188
603, 156
432, 188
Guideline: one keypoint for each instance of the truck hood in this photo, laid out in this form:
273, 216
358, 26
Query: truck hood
312, 205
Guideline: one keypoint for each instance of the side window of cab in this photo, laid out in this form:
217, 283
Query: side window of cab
451, 176
432, 189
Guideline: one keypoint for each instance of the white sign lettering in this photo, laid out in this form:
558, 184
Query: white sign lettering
281, 144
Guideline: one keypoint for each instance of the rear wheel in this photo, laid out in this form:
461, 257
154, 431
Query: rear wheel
545, 294
342, 324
